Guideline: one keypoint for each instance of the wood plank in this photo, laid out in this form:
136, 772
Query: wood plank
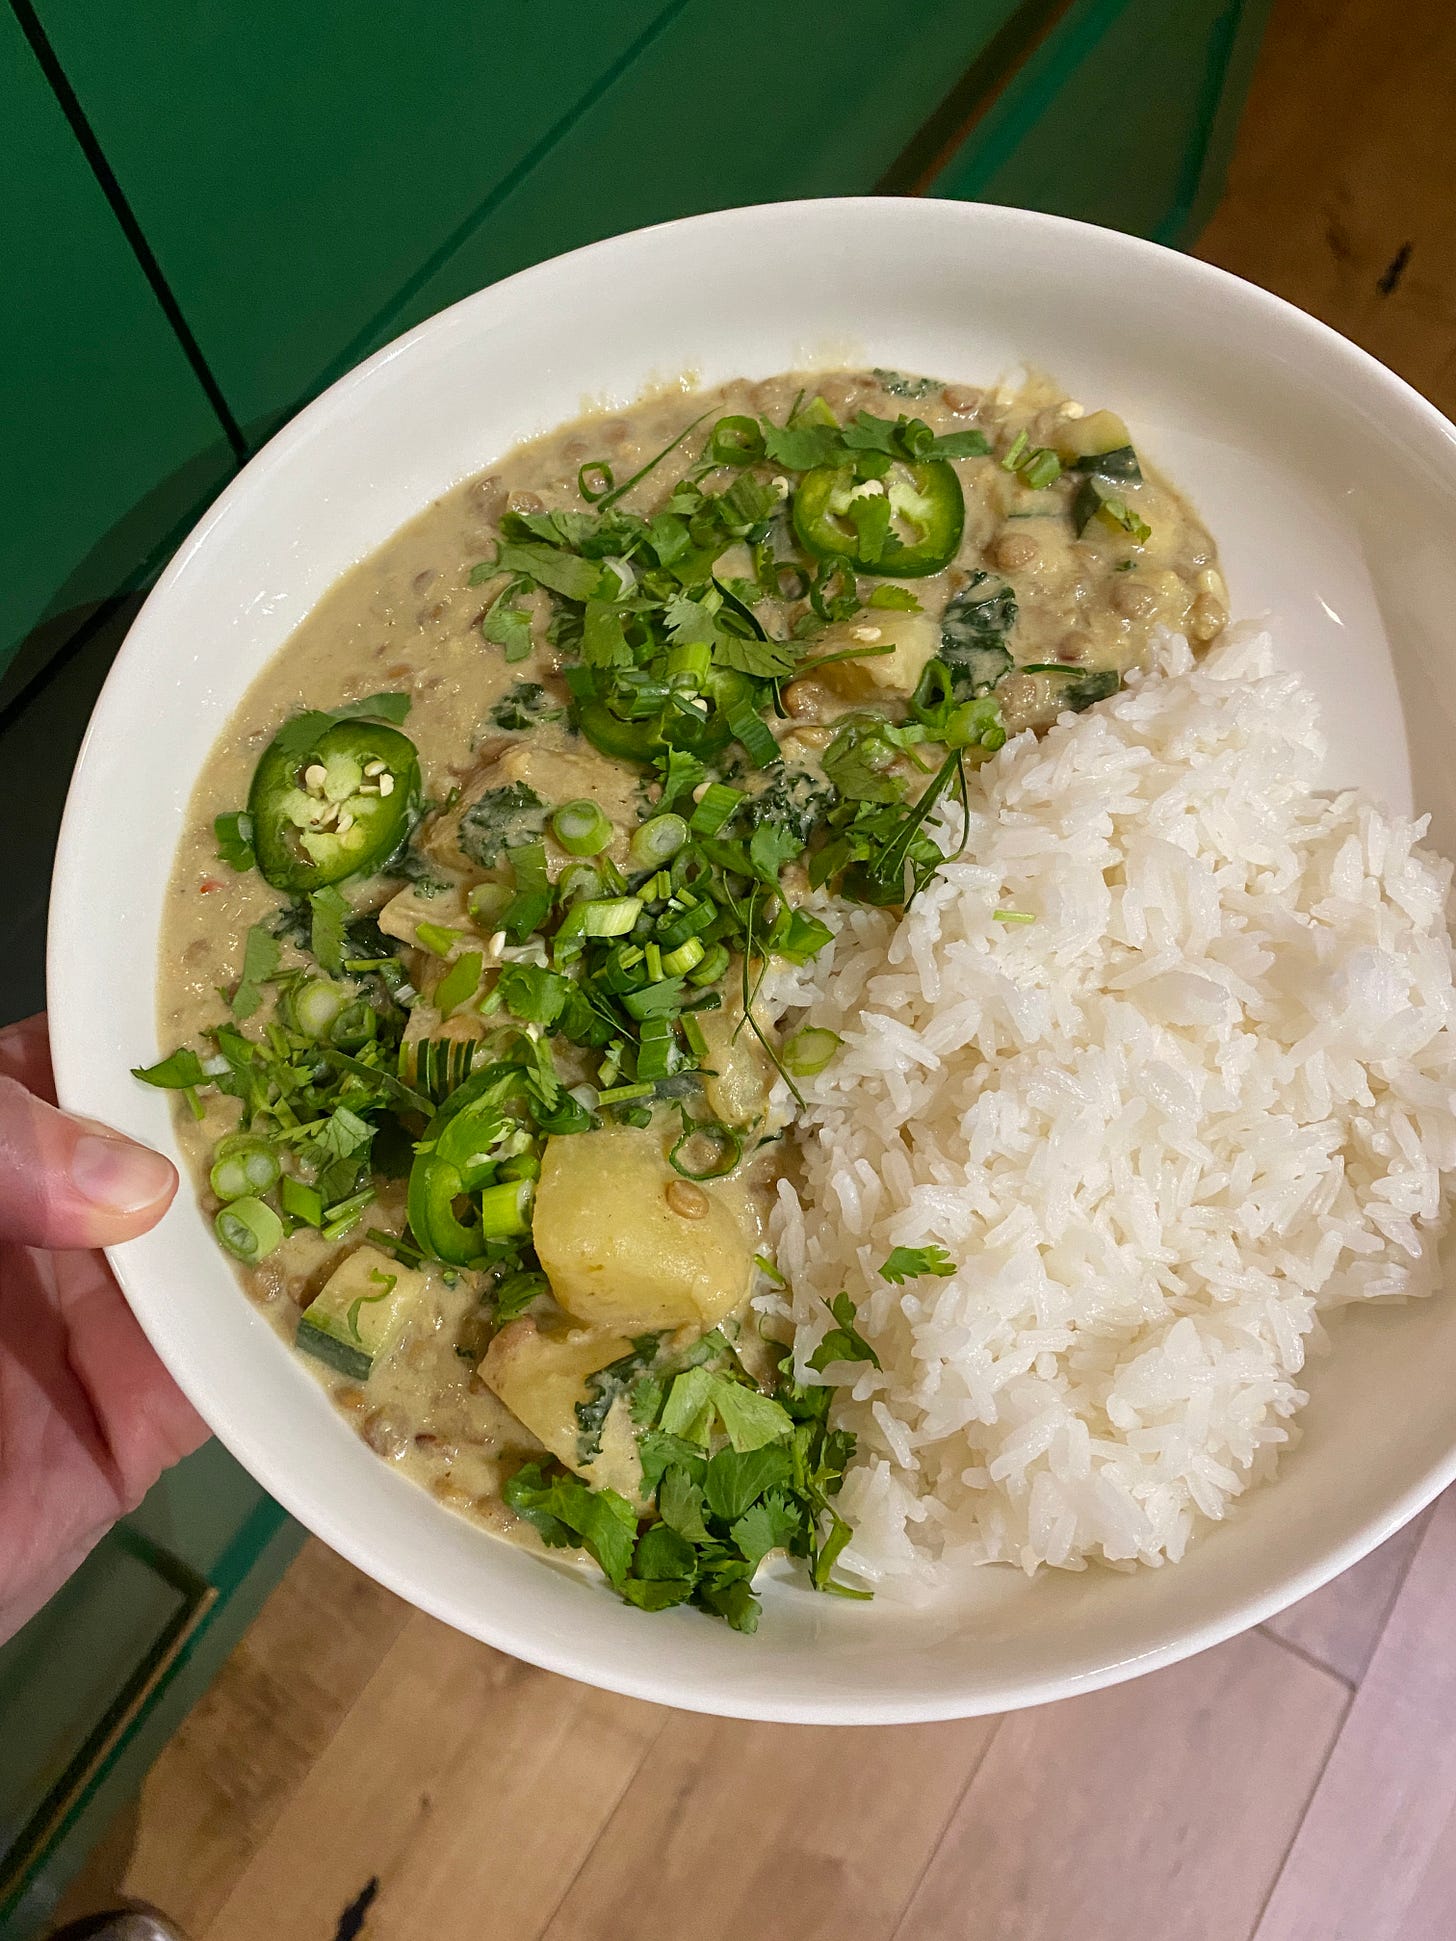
1376, 1856
1339, 196
1341, 1624
1161, 1808
814, 1833
215, 1794
461, 1782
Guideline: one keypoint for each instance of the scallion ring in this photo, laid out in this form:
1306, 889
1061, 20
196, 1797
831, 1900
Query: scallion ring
505, 1210
243, 1166
729, 1149
612, 916
581, 828
687, 956
249, 1229
594, 480
578, 883
809, 1051
314, 1006
487, 902
658, 841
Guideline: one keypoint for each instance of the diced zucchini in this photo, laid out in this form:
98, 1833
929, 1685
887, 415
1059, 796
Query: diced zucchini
360, 1312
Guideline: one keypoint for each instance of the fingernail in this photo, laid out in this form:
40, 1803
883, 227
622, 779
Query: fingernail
115, 1174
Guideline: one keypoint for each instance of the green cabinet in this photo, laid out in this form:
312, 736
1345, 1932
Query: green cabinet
93, 1686
294, 167
110, 442
1124, 117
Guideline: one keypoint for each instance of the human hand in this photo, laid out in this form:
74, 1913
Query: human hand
89, 1418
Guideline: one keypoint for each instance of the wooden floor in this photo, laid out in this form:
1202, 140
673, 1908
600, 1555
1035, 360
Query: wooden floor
359, 1770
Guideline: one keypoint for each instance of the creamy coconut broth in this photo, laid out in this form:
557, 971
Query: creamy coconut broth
585, 773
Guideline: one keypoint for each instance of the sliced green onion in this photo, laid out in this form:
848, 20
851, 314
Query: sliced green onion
249, 1229
677, 963
619, 1094
435, 937
301, 1202
676, 929
505, 1210
460, 982
594, 480
581, 828
693, 1032
525, 1165
653, 1000
749, 728
809, 1051
578, 883
729, 1150
1014, 456
657, 841
612, 917
347, 1214
655, 1050
355, 1025
690, 663
1012, 916
243, 1166
1041, 469
314, 1006
487, 902
712, 966
717, 808
653, 955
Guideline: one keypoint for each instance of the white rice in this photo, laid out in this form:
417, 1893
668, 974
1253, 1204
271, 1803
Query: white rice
1206, 1096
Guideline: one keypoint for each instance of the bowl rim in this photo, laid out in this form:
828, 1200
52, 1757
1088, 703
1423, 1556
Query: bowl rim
68, 914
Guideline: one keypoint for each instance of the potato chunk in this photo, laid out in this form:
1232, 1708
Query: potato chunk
913, 638
739, 1074
541, 1377
615, 1247
507, 801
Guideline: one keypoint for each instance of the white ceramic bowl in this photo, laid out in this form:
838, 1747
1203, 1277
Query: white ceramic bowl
1332, 489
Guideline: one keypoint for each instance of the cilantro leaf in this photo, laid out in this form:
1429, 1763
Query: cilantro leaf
688, 1410
771, 845
746, 503
661, 1451
515, 1292
749, 1418
569, 575
896, 598
798, 447
661, 1552
869, 514
260, 963
680, 1503
689, 621
871, 434
603, 641
177, 1073
735, 1480
234, 835
765, 660
906, 1263
509, 626
329, 913
845, 1342
858, 758
732, 1599
657, 1593
770, 1524
956, 444
566, 1512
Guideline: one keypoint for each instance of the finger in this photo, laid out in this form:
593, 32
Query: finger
68, 1183
144, 1417
25, 1054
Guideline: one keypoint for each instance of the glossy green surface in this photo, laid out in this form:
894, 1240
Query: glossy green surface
1120, 118
704, 119
109, 441
205, 1527
293, 166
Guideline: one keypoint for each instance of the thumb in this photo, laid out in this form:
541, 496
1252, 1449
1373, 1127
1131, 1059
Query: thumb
72, 1183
